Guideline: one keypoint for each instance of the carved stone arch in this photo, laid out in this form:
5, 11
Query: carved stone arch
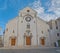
27, 15
42, 40
12, 40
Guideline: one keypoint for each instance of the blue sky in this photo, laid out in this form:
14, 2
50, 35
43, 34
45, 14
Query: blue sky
46, 9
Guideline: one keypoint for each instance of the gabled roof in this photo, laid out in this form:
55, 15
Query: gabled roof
28, 8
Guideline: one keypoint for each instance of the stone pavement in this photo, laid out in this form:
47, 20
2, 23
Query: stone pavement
31, 50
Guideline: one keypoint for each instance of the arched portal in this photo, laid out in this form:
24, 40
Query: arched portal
42, 41
28, 40
12, 41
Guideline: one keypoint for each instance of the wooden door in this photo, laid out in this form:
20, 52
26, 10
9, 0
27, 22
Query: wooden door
13, 41
28, 40
43, 41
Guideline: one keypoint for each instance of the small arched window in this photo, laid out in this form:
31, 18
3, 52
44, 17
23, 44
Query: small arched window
28, 26
13, 31
48, 30
42, 32
7, 29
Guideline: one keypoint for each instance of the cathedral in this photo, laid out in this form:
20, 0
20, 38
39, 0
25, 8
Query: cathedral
27, 30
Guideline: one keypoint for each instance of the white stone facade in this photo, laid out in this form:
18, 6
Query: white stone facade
54, 30
27, 24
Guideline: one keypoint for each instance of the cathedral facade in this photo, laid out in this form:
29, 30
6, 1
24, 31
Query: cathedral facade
27, 29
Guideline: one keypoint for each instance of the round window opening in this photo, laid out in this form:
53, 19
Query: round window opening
28, 19
28, 10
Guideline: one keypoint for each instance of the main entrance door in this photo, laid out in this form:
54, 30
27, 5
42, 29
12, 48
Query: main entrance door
13, 41
28, 40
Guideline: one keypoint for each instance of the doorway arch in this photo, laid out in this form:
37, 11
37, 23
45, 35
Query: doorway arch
13, 41
42, 41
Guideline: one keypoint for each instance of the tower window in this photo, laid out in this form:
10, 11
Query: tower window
56, 27
56, 22
58, 34
48, 30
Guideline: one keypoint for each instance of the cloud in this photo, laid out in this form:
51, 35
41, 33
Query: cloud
53, 6
36, 5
